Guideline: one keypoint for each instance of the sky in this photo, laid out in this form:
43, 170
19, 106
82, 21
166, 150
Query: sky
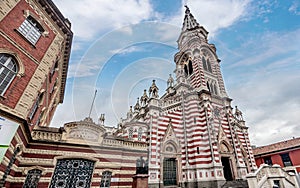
120, 46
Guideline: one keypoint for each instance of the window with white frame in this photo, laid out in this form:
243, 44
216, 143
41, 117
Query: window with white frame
31, 30
8, 71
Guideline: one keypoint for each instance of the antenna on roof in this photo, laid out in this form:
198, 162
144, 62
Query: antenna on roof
93, 103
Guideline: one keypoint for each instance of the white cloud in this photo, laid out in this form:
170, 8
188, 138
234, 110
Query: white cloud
215, 14
269, 45
128, 50
294, 8
266, 86
91, 17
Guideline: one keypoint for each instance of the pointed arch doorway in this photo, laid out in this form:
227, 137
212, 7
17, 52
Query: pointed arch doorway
226, 152
227, 168
171, 165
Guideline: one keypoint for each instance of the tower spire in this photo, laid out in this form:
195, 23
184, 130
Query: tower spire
189, 22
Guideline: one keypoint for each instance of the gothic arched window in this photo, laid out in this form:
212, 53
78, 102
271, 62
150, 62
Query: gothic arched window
130, 133
208, 86
186, 70
72, 173
190, 67
8, 71
215, 89
31, 29
105, 180
206, 64
140, 133
32, 178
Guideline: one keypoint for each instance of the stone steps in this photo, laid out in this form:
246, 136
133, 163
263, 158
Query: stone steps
236, 184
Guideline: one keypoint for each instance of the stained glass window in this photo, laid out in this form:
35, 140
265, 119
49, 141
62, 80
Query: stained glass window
72, 173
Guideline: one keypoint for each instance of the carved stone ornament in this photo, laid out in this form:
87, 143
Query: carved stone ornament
85, 130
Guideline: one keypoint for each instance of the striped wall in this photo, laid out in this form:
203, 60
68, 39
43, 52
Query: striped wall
121, 161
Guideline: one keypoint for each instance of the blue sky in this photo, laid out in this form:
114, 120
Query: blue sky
120, 46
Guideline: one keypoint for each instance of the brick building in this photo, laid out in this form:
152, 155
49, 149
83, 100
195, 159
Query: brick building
35, 44
285, 153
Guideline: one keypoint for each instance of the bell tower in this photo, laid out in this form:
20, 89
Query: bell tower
197, 63
195, 138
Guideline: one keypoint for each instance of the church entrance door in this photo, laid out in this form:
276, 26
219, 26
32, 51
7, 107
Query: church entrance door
170, 172
227, 168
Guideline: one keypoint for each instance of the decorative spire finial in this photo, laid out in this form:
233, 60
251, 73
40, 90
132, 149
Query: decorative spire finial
144, 98
189, 21
187, 10
137, 105
153, 90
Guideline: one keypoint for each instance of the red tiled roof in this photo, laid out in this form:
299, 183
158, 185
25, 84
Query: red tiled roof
279, 146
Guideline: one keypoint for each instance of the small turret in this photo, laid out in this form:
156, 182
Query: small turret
137, 106
101, 119
170, 81
144, 99
153, 90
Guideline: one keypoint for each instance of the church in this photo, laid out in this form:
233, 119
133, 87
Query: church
196, 138
190, 136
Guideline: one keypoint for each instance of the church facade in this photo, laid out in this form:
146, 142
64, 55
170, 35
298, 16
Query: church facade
195, 137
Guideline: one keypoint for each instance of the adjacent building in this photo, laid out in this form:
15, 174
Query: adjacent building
285, 153
35, 44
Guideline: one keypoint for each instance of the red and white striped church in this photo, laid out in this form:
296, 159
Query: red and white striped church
196, 138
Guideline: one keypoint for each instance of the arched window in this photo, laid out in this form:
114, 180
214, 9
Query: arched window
32, 178
140, 133
8, 71
208, 86
72, 173
186, 70
105, 180
215, 89
31, 29
206, 64
190, 67
130, 133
